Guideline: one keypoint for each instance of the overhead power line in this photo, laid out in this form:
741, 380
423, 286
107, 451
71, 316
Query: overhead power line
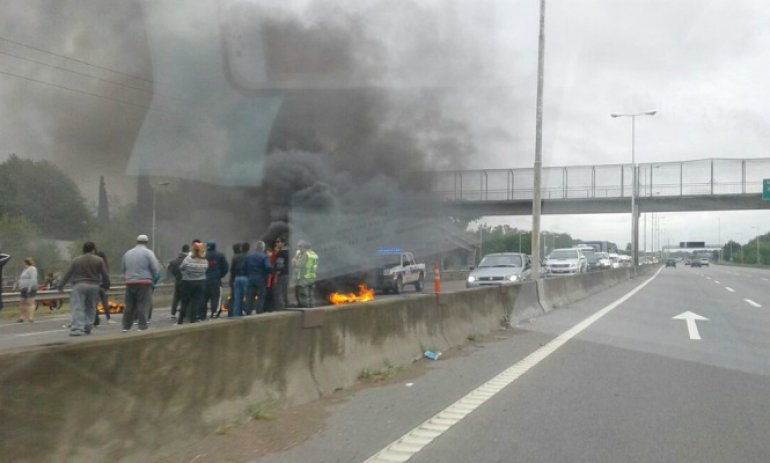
82, 92
77, 60
60, 68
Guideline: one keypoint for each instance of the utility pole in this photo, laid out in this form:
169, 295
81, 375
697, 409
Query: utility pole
481, 243
536, 256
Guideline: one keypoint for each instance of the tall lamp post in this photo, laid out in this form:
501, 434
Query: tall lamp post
634, 209
153, 211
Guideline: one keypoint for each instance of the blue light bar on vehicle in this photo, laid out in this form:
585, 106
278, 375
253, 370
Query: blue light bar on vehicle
388, 251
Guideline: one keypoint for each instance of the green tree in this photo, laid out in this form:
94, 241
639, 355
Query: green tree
20, 239
113, 238
103, 209
731, 251
749, 255
43, 195
503, 238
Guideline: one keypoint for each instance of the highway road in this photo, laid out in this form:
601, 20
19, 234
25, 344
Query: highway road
52, 329
614, 377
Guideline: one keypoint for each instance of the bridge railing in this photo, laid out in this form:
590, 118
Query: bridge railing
667, 179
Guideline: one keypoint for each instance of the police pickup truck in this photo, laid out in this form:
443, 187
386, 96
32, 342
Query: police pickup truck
396, 269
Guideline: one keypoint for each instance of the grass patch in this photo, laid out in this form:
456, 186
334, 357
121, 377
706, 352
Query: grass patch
380, 374
261, 411
225, 429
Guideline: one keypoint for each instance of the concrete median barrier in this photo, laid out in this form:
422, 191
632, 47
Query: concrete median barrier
125, 397
558, 292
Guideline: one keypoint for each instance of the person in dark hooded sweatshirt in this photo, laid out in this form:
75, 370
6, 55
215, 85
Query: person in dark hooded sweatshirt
217, 269
176, 272
258, 268
239, 283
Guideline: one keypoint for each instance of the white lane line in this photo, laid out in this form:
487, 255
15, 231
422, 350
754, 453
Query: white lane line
415, 440
717, 282
40, 332
750, 302
765, 279
708, 278
729, 289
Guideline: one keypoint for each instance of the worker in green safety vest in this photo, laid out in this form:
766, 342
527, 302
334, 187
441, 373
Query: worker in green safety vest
305, 274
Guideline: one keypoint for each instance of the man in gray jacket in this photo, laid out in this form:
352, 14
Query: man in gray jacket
140, 268
87, 272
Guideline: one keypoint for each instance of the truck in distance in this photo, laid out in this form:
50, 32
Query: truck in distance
397, 269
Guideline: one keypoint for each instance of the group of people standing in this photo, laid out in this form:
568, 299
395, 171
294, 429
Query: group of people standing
259, 279
90, 281
259, 282
28, 284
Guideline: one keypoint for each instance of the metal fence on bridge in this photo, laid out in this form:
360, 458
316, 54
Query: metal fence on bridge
686, 178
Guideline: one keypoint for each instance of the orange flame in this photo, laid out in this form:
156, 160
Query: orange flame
364, 295
114, 307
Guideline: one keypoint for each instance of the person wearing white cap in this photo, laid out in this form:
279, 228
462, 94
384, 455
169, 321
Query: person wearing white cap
140, 268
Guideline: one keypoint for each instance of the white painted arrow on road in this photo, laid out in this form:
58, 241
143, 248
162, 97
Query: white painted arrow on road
692, 328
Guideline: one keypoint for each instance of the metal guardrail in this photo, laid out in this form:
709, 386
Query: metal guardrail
53, 294
662, 179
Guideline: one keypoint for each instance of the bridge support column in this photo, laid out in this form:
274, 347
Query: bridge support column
635, 234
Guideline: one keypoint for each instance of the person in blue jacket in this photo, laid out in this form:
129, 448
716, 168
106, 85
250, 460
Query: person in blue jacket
258, 268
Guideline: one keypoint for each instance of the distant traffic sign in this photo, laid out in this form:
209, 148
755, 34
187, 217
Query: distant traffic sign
766, 189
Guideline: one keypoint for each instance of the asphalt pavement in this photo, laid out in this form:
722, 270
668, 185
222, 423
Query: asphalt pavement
614, 377
52, 329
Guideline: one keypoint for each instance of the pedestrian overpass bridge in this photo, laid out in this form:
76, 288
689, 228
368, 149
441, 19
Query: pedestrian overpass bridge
701, 185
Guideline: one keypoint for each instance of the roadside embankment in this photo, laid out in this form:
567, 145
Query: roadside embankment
126, 397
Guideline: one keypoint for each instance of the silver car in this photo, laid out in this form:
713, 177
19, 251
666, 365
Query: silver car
569, 260
500, 269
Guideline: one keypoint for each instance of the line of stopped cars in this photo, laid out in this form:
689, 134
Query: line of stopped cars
691, 261
513, 267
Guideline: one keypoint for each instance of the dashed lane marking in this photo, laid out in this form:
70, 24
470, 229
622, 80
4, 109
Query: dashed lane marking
729, 289
750, 302
415, 440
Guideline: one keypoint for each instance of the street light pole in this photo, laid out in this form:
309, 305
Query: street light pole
634, 208
153, 212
